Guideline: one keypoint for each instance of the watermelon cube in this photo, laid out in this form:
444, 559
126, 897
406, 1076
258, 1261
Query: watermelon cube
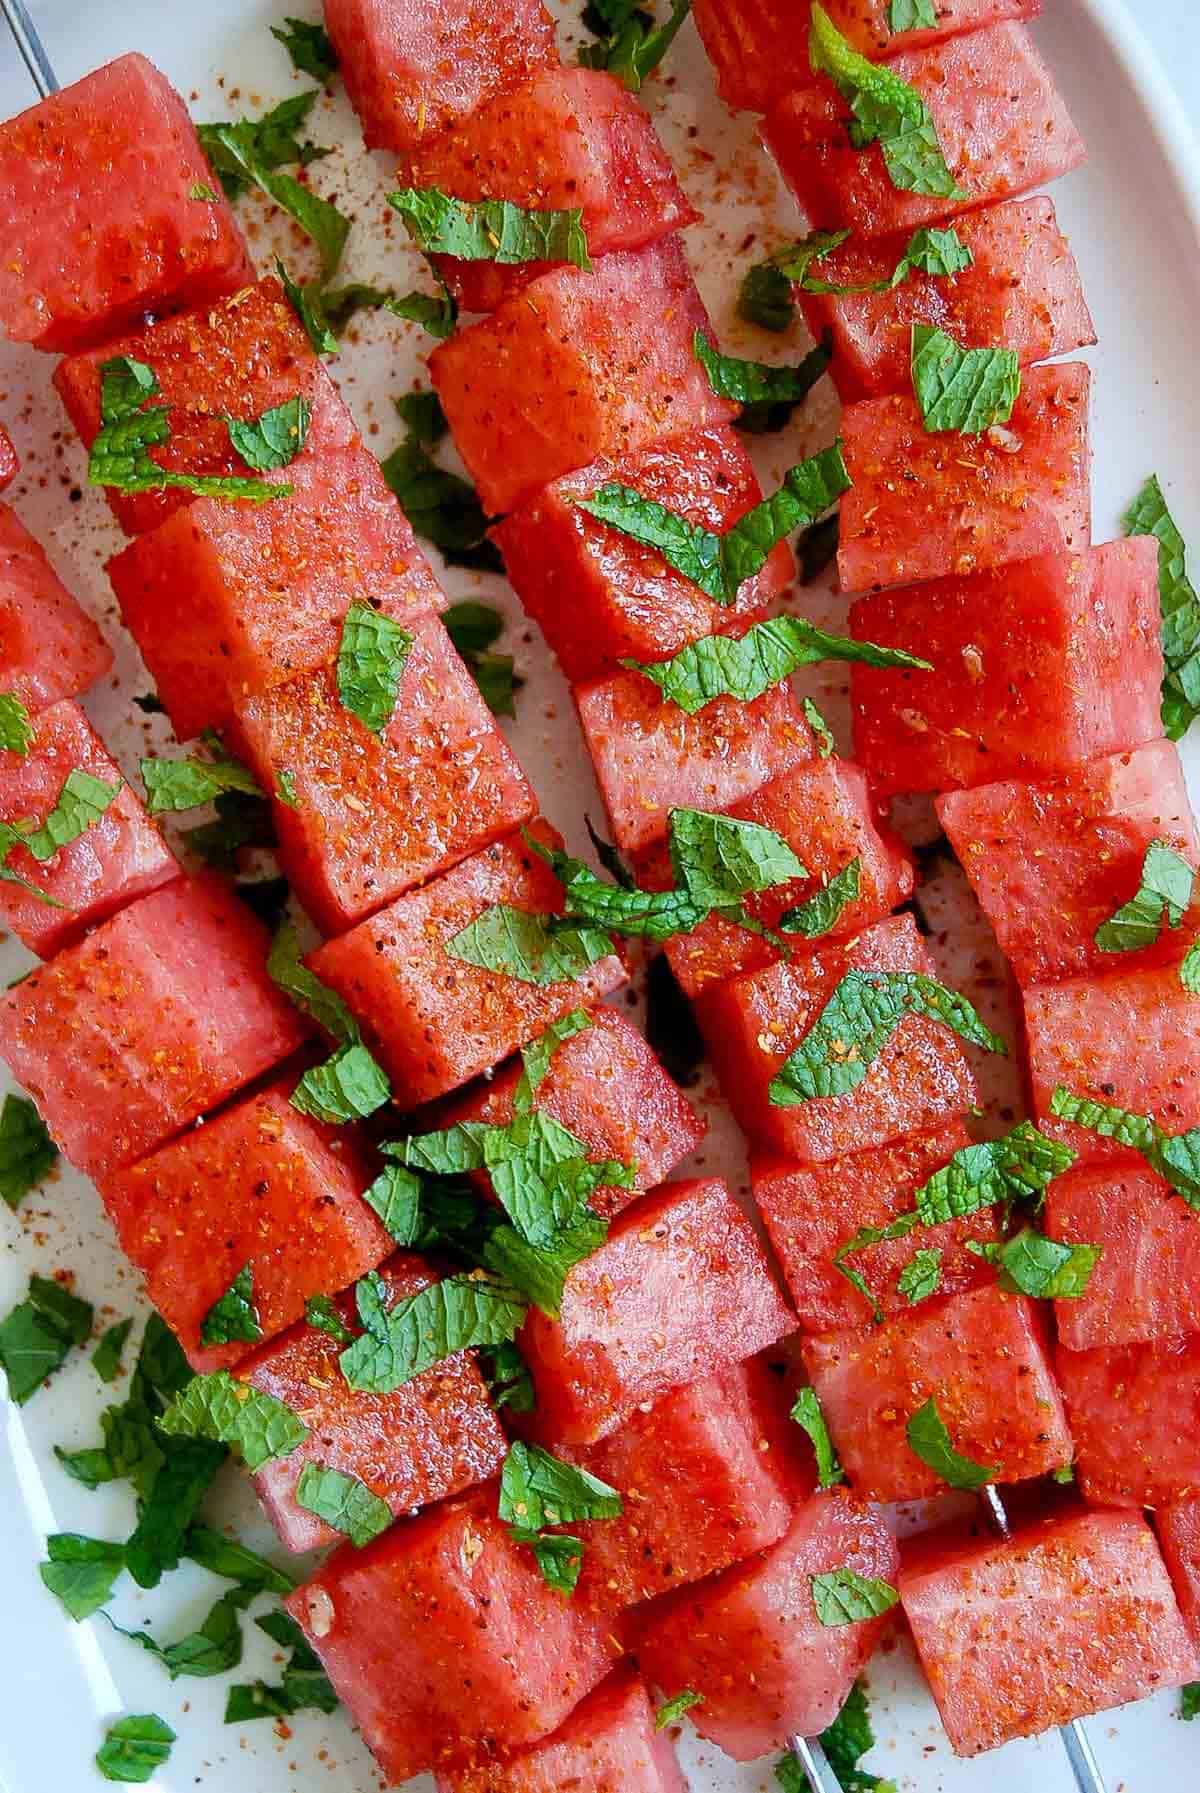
1022, 292
268, 585
651, 757
119, 858
235, 359
810, 1213
374, 814
1050, 862
258, 1185
49, 647
600, 597
759, 48
1146, 1284
577, 367
1000, 120
825, 812
980, 1354
434, 1436
160, 1014
442, 1631
680, 1289
607, 1088
1038, 667
1070, 1616
609, 1744
1178, 1530
754, 1023
417, 67
114, 161
10, 466
1135, 1418
750, 1640
924, 506
436, 1020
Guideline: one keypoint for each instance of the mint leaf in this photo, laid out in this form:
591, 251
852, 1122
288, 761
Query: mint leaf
1189, 970
308, 46
239, 150
538, 1274
347, 1087
490, 229
930, 251
322, 1315
395, 1196
688, 547
370, 665
765, 298
807, 1413
343, 1502
820, 728
229, 1412
536, 949
134, 1748
274, 137
308, 305
768, 394
436, 312
921, 1277
16, 730
1017, 1167
174, 785
37, 1335
1189, 1701
1164, 893
442, 508
844, 1597
287, 970
671, 1711
538, 1489
81, 1572
1173, 1156
930, 1441
508, 1378
558, 1556
27, 1152
1149, 515
538, 1056
234, 1562
274, 439
172, 1495
1046, 1269
120, 453
81, 802
212, 1650
426, 1328
106, 1358
912, 15
963, 390
241, 821
473, 627
824, 909
632, 44
234, 1318
845, 1743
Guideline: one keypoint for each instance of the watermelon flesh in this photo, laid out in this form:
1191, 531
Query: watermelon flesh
607, 1088
112, 160
1146, 1284
651, 757
925, 506
119, 858
432, 1437
1135, 1417
1000, 120
160, 1014
607, 1745
49, 647
1038, 668
1050, 862
436, 1020
754, 1023
375, 814
600, 597
575, 368
810, 1213
980, 1354
10, 466
442, 1617
680, 1289
413, 68
1022, 292
1073, 1615
825, 812
1178, 1530
750, 1641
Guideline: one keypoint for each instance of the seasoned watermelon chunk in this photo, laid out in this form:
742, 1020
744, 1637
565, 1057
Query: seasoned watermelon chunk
608, 1745
437, 1020
1072, 1615
1037, 668
1000, 120
926, 506
825, 812
375, 814
754, 1023
442, 1631
113, 161
268, 585
810, 1213
10, 466
49, 647
606, 1087
160, 1014
1050, 862
651, 757
1179, 1539
1146, 1283
750, 1640
680, 1289
258, 1185
416, 67
434, 1436
120, 857
980, 1354
1135, 1418
575, 368
1022, 292
597, 595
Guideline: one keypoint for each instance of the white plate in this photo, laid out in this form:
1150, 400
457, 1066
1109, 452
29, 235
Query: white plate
1132, 217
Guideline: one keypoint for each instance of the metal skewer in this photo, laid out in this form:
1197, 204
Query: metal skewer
33, 51
815, 1763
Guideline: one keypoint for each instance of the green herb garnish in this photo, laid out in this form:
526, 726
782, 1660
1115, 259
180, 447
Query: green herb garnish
309, 47
424, 1329
16, 729
27, 1152
343, 1502
232, 1413
134, 1748
37, 1335
120, 454
493, 230
631, 44
962, 390
807, 1413
370, 665
1148, 515
844, 1597
273, 440
234, 1318
1031, 1264
930, 1441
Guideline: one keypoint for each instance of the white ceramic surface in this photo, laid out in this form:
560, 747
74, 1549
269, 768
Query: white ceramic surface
1133, 218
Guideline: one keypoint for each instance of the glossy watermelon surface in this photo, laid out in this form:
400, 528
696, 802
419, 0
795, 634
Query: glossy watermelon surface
1146, 1284
49, 647
1179, 1539
1135, 1417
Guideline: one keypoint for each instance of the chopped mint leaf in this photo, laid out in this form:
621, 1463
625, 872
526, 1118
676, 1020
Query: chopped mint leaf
347, 1087
120, 453
134, 1748
1164, 894
930, 250
81, 802
963, 390
307, 303
343, 1502
1174, 1156
172, 1498
671, 1711
538, 1274
632, 45
536, 949
201, 190
824, 909
229, 1412
1017, 1167
275, 141
930, 1441
845, 1743
27, 1152
37, 1335
234, 1318
396, 1196
322, 1315
508, 1377
16, 730
309, 47
81, 1572
538, 1056
538, 1489
807, 1413
422, 415
212, 1650
1149, 515
106, 1358
1189, 970
820, 728
1046, 1269
274, 439
473, 627
234, 1562
921, 1277
436, 312
426, 1328
558, 1556
370, 665
248, 154
767, 394
490, 229
1064, 1475
173, 785
886, 111
1189, 1701
285, 789
241, 821
442, 508
765, 298
844, 1597
911, 15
